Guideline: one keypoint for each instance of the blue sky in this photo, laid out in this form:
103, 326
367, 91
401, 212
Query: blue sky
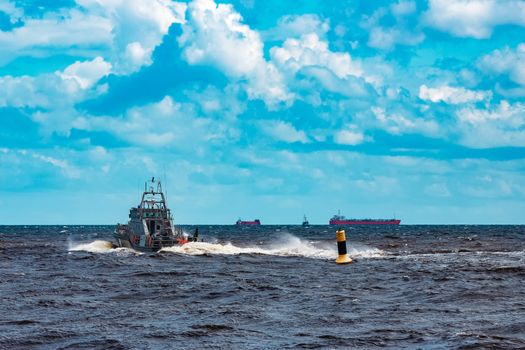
263, 109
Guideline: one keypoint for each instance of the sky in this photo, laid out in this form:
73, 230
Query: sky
264, 109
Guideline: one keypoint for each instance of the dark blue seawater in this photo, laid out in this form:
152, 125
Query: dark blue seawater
275, 287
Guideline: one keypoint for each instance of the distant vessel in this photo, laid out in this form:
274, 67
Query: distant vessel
342, 220
305, 221
255, 222
150, 227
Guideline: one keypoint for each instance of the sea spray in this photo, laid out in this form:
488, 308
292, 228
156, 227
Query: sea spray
97, 246
287, 245
284, 245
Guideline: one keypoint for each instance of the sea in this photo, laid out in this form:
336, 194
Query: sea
267, 287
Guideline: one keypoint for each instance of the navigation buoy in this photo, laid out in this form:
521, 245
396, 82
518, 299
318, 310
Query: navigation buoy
343, 257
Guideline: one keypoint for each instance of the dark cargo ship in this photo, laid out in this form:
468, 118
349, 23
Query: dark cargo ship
255, 222
150, 227
342, 220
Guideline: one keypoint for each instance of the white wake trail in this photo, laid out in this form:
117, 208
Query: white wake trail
98, 246
288, 245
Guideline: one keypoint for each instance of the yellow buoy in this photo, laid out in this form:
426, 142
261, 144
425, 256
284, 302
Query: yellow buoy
343, 257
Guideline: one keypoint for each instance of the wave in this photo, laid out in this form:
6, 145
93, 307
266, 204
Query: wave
286, 246
457, 253
97, 246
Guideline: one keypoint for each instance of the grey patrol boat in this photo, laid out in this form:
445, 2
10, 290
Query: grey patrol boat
150, 227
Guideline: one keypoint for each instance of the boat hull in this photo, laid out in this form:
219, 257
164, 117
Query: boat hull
365, 222
142, 243
248, 223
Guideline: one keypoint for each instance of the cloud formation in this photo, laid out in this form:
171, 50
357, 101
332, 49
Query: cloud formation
214, 34
506, 62
242, 100
349, 136
452, 95
122, 32
283, 131
473, 18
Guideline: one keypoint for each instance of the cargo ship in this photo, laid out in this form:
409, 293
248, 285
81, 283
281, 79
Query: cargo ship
255, 222
150, 227
342, 220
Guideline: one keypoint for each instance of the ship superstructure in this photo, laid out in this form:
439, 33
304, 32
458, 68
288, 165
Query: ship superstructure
306, 223
150, 226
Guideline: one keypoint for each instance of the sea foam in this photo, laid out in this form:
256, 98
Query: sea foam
288, 245
97, 246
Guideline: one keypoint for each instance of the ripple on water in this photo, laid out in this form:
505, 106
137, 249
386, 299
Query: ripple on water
412, 287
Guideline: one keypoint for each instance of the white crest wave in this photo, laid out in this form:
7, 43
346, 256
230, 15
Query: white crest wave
98, 246
288, 245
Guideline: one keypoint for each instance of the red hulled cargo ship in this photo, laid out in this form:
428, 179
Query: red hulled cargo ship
255, 222
342, 220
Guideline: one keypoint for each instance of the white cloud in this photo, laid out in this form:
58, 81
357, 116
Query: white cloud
26, 157
295, 26
70, 32
501, 126
152, 125
387, 38
137, 28
54, 95
349, 136
63, 165
87, 73
403, 8
21, 92
473, 18
400, 33
99, 153
505, 62
416, 163
221, 104
53, 91
311, 56
122, 32
513, 115
214, 34
452, 95
11, 10
283, 131
310, 50
397, 124
135, 55
350, 86
166, 123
